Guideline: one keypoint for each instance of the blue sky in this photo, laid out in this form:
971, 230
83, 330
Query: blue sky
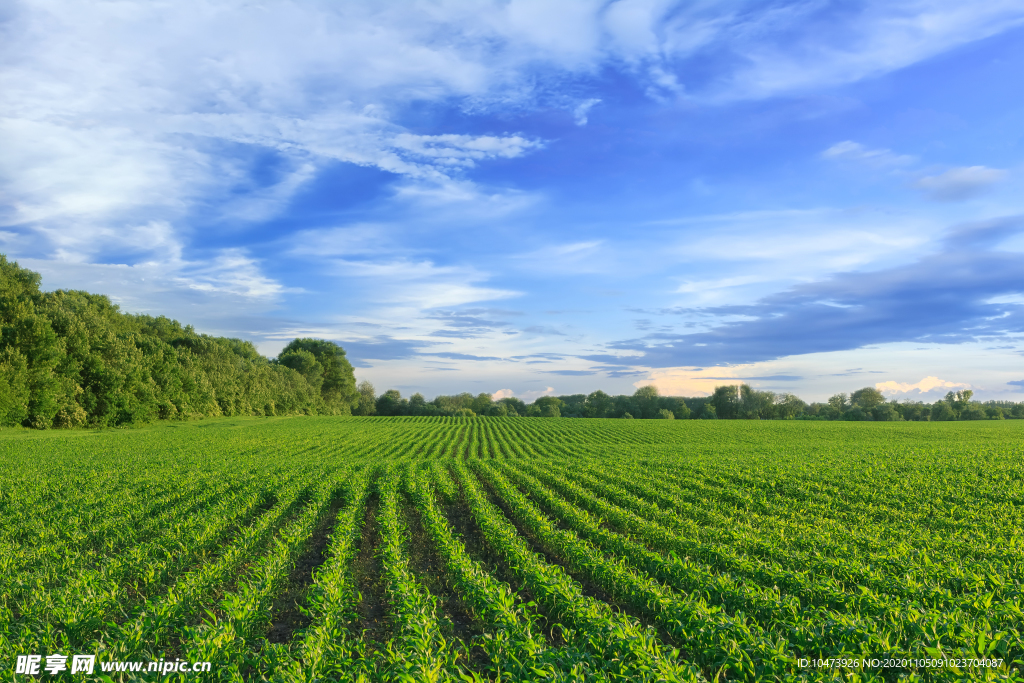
539, 197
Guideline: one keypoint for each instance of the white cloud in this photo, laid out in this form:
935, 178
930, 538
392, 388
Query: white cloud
574, 257
531, 396
502, 393
960, 183
803, 46
924, 386
222, 295
580, 113
118, 114
232, 272
848, 150
418, 285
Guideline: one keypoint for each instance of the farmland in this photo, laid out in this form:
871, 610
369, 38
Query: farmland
423, 549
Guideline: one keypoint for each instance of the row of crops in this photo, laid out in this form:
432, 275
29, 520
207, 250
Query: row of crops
437, 549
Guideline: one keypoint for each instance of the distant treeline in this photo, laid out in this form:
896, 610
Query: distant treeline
71, 359
727, 402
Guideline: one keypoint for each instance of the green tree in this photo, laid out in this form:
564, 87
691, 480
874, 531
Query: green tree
549, 406
391, 403
681, 410
867, 398
304, 363
14, 389
481, 404
419, 406
497, 410
886, 412
339, 382
367, 399
665, 414
725, 399
942, 412
513, 405
788, 406
959, 400
973, 412
755, 405
708, 412
646, 400
598, 404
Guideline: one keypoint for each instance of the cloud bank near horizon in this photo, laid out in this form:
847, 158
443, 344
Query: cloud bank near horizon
522, 193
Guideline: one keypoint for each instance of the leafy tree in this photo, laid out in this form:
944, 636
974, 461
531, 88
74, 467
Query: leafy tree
708, 412
623, 404
497, 410
304, 363
755, 405
627, 416
913, 410
367, 399
788, 406
513, 405
1017, 411
994, 413
419, 406
973, 412
867, 398
646, 400
481, 404
675, 405
959, 400
391, 403
598, 404
574, 405
665, 414
549, 406
886, 412
725, 399
338, 388
942, 412
14, 389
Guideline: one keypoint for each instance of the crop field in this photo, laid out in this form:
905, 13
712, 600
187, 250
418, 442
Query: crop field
514, 549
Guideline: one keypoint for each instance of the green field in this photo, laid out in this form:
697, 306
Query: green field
422, 549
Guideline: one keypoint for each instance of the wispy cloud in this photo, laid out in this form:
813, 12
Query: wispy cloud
778, 51
848, 150
939, 298
580, 113
422, 283
960, 183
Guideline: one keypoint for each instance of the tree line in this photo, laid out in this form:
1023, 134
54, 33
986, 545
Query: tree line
69, 358
730, 402
72, 359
